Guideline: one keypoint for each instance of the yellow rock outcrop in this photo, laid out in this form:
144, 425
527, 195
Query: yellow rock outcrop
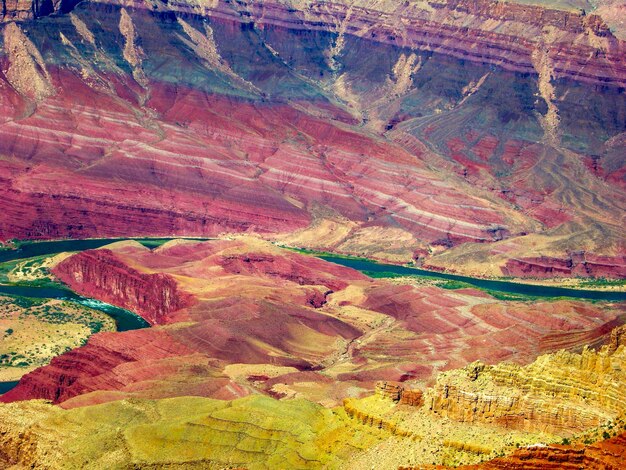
561, 393
252, 432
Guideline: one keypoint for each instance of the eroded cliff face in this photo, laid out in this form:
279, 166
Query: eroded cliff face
577, 265
398, 393
561, 393
99, 273
501, 33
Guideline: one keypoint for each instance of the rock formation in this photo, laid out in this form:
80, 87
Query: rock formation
309, 362
562, 393
270, 321
607, 454
397, 392
320, 329
456, 28
100, 273
19, 10
266, 118
578, 264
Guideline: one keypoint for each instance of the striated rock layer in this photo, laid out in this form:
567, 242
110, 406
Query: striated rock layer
561, 393
607, 455
460, 28
401, 131
577, 265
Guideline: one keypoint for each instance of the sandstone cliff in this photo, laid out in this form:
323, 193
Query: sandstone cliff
99, 273
561, 393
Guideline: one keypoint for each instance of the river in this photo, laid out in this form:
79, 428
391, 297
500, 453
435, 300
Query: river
29, 250
492, 285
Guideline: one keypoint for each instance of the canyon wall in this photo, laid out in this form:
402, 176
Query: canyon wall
460, 28
19, 10
562, 393
98, 273
396, 131
505, 34
577, 265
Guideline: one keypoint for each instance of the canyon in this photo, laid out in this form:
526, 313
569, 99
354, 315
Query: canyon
484, 138
266, 119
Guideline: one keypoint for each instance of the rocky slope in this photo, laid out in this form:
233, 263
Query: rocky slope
393, 428
473, 134
194, 433
607, 454
298, 327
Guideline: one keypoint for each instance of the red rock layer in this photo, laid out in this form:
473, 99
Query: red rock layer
577, 265
603, 455
303, 271
76, 163
257, 304
439, 330
138, 356
98, 273
215, 164
271, 320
